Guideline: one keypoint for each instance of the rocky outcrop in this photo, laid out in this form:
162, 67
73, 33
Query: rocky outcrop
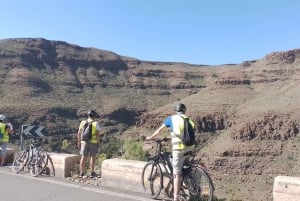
287, 57
268, 127
247, 115
211, 122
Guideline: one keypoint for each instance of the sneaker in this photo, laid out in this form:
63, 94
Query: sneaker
81, 175
93, 174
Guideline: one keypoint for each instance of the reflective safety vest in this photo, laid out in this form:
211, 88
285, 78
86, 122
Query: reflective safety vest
93, 139
178, 126
4, 137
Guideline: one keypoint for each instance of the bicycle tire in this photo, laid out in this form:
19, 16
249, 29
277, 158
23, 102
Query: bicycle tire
49, 169
152, 179
200, 186
20, 161
184, 194
39, 163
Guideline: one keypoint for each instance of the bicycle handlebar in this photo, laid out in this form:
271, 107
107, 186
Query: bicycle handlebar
165, 139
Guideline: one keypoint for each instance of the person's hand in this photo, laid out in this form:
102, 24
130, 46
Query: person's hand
10, 126
148, 138
79, 144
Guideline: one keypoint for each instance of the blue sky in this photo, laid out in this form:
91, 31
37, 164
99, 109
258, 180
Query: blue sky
210, 32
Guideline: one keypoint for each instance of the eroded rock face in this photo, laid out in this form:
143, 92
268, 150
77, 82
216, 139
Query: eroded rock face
287, 57
53, 83
269, 127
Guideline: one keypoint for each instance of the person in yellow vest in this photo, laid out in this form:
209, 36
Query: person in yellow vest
175, 124
89, 148
5, 131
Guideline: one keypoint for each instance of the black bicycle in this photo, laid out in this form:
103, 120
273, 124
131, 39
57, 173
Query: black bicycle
157, 174
33, 160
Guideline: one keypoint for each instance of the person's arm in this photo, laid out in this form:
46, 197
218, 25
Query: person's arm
9, 128
98, 131
79, 136
158, 131
98, 137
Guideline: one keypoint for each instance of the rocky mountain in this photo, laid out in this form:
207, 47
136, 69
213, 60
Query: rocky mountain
247, 114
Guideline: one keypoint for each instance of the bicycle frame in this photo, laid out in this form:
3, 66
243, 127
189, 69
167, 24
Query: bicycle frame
32, 159
192, 173
162, 158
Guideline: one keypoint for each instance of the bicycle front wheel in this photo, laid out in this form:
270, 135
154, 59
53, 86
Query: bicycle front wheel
200, 185
20, 161
152, 179
49, 169
39, 164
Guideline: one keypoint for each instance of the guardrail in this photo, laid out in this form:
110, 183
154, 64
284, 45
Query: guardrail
122, 174
126, 175
286, 188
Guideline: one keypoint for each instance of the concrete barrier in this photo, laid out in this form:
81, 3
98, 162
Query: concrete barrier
10, 153
286, 188
64, 163
122, 174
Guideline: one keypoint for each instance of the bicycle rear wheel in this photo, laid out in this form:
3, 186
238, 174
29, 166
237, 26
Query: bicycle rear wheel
200, 185
152, 179
20, 161
39, 163
49, 169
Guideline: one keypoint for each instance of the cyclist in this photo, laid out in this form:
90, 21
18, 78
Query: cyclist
89, 147
5, 130
175, 124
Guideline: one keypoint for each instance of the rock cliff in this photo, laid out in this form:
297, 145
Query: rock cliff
247, 114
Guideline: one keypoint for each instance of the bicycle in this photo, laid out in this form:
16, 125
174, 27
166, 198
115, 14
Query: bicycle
34, 160
196, 183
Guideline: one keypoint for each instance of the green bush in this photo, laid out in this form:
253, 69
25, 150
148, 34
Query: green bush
98, 163
65, 144
111, 148
134, 150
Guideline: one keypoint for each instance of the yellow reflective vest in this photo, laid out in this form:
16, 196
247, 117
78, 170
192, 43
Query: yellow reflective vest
176, 125
94, 138
4, 134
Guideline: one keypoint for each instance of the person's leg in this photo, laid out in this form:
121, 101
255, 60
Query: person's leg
82, 164
177, 186
92, 163
93, 153
83, 153
177, 169
3, 153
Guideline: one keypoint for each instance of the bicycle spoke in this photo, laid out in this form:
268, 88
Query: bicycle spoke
39, 163
49, 167
196, 185
20, 161
201, 188
152, 180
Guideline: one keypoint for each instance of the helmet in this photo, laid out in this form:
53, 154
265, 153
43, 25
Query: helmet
2, 117
180, 108
92, 113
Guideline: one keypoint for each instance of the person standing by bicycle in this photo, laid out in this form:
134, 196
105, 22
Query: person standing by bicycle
89, 148
175, 124
5, 130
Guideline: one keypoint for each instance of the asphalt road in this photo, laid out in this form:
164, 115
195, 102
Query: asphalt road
23, 187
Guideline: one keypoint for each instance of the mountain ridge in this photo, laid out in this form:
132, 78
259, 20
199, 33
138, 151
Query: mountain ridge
247, 114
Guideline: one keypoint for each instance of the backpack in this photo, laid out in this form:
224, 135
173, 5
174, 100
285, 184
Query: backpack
188, 136
86, 134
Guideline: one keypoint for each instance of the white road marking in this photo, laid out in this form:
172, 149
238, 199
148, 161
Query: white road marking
87, 188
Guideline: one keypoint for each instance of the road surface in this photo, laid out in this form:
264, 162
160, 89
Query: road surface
23, 187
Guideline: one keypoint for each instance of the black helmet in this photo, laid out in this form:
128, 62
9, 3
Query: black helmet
180, 108
92, 113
